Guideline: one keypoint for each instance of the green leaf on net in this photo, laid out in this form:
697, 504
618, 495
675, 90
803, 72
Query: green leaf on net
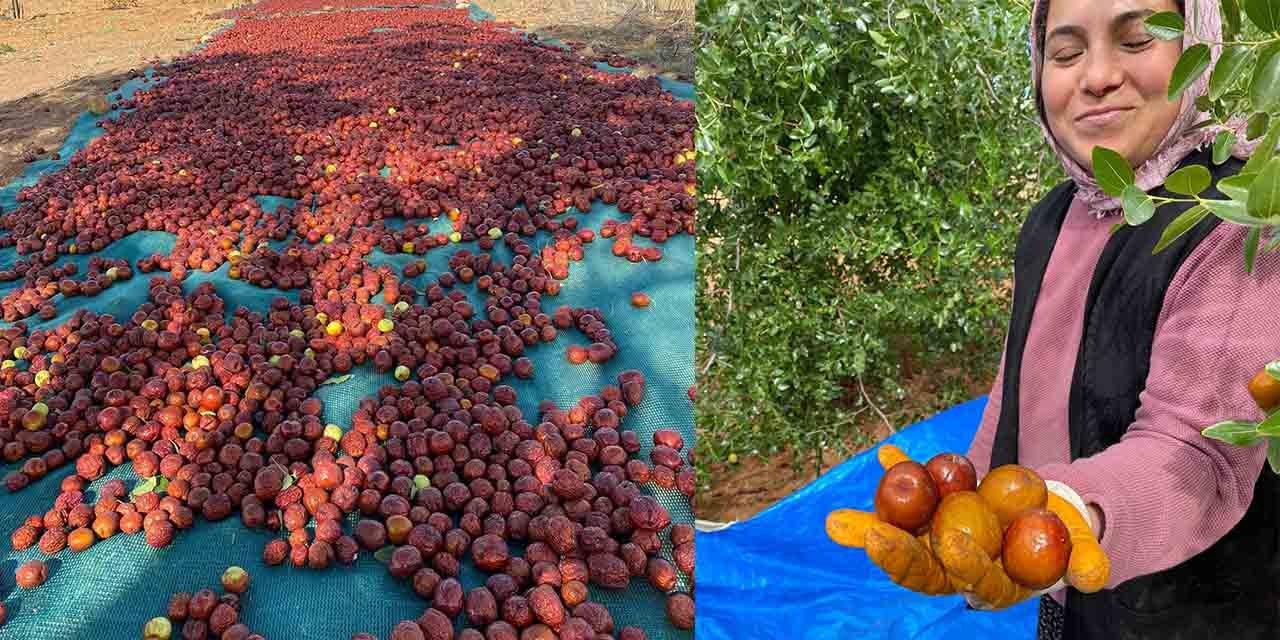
1138, 206
146, 486
1251, 248
162, 485
1180, 225
1112, 171
1190, 66
338, 379
1189, 180
1230, 66
383, 555
1233, 432
1166, 25
1222, 145
1273, 454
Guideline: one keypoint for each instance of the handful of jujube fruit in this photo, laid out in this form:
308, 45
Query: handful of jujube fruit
937, 529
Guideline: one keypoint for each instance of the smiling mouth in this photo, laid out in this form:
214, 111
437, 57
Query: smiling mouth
1103, 118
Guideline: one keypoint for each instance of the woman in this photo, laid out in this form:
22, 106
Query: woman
1116, 358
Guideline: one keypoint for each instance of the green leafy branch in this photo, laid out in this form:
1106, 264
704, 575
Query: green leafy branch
1245, 434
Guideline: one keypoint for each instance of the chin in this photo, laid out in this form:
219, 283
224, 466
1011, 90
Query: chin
1083, 150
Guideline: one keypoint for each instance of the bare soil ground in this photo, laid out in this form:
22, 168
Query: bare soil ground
658, 33
62, 53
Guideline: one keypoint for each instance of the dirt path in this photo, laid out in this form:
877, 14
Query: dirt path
657, 33
64, 53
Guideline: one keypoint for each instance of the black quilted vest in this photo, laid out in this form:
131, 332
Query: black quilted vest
1232, 589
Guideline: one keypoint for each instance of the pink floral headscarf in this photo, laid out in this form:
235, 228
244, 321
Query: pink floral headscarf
1203, 24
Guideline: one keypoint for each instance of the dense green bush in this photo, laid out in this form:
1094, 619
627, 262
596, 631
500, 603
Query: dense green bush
864, 169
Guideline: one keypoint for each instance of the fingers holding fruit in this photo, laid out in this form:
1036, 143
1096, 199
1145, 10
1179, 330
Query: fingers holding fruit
848, 527
906, 560
1088, 568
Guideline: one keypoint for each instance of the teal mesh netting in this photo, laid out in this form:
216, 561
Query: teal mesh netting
110, 590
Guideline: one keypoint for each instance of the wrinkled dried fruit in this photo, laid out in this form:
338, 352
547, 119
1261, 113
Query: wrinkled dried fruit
490, 553
546, 605
680, 610
178, 606
202, 604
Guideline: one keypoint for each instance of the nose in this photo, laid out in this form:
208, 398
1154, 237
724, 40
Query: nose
1102, 73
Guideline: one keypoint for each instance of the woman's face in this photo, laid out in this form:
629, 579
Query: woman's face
1105, 80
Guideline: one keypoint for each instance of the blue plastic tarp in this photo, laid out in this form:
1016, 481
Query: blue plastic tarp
778, 575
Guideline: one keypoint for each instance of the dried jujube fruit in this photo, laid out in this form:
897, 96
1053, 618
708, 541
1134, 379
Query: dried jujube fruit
679, 608
24, 537
202, 604
221, 618
31, 574
661, 574
647, 513
448, 597
481, 607
684, 556
490, 553
546, 605
608, 571
632, 633
435, 625
178, 606
407, 630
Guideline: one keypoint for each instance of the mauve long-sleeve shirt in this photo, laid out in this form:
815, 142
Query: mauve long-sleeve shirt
1166, 492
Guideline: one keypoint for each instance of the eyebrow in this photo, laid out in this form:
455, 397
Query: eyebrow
1077, 30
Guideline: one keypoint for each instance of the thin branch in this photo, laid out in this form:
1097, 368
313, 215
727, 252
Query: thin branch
866, 397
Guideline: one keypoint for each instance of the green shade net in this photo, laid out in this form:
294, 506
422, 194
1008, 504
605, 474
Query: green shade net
112, 589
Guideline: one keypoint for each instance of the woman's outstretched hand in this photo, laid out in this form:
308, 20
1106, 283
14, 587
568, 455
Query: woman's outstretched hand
1041, 529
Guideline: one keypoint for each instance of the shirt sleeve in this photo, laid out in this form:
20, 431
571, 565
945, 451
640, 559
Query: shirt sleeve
1166, 491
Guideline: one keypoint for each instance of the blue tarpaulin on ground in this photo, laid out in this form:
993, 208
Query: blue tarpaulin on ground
778, 575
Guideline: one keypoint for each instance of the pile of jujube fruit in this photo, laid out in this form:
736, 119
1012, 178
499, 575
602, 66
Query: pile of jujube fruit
187, 401
440, 117
213, 406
